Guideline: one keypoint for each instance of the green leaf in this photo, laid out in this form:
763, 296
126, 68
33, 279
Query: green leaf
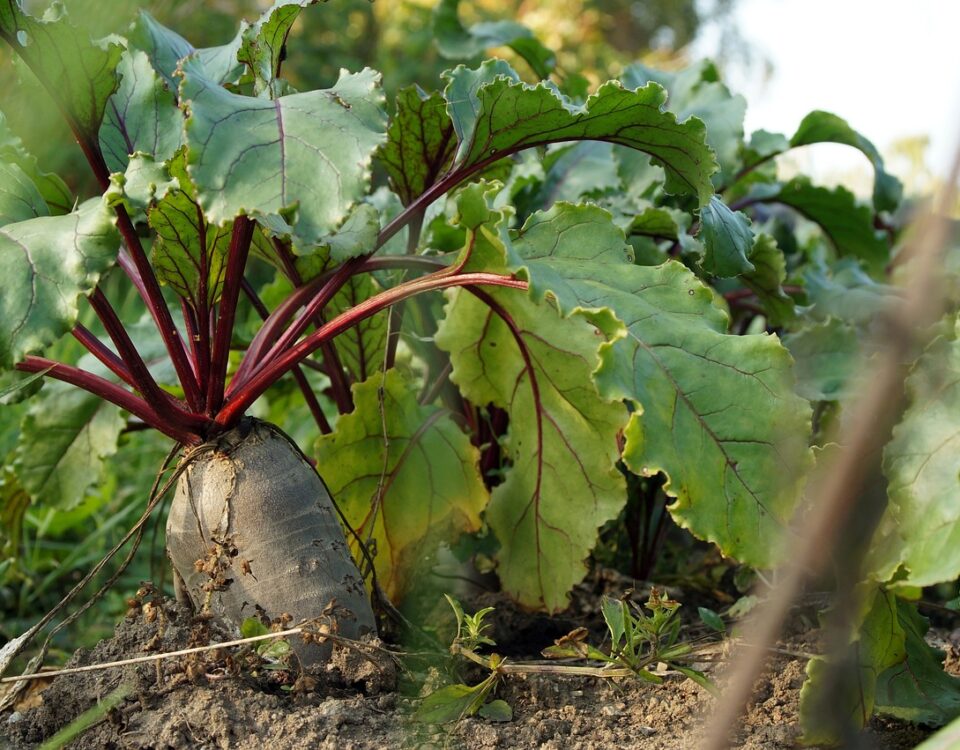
837, 698
262, 47
495, 114
497, 710
826, 357
141, 185
19, 198
697, 91
80, 73
711, 619
46, 265
615, 614
824, 127
166, 48
846, 292
303, 154
432, 489
562, 483
918, 540
458, 43
767, 277
361, 347
847, 224
189, 253
64, 439
696, 389
252, 627
917, 689
727, 239
420, 143
54, 191
142, 116
453, 702
947, 738
580, 170
20, 384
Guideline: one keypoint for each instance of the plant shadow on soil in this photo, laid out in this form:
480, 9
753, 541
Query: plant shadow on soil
214, 699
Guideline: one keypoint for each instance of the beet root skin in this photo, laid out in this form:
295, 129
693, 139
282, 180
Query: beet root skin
253, 532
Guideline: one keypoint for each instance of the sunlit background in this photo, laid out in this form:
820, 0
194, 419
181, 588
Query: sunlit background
887, 67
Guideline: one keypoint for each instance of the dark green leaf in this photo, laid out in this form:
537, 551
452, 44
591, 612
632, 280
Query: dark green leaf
420, 142
766, 279
824, 127
711, 619
361, 347
847, 224
727, 240
24, 382
306, 155
458, 43
918, 689
46, 265
495, 114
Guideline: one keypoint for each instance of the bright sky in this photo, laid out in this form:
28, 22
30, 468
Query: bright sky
890, 68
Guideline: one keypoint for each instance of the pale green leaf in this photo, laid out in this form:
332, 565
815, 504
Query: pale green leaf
46, 265
64, 439
495, 114
697, 389
166, 49
838, 698
452, 703
80, 73
142, 116
497, 710
306, 155
19, 198
727, 240
562, 483
431, 486
54, 191
826, 357
456, 42
918, 540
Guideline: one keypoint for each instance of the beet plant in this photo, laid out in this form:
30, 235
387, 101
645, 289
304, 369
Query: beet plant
504, 304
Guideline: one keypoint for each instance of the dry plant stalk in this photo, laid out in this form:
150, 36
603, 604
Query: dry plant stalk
835, 492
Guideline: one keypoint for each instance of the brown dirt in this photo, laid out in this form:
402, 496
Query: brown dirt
221, 700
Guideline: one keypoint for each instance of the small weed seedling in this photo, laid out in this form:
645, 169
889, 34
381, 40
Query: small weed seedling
638, 641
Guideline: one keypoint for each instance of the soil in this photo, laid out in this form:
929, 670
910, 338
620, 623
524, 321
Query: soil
227, 700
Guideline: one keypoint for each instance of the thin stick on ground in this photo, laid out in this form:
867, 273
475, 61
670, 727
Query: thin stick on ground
836, 492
